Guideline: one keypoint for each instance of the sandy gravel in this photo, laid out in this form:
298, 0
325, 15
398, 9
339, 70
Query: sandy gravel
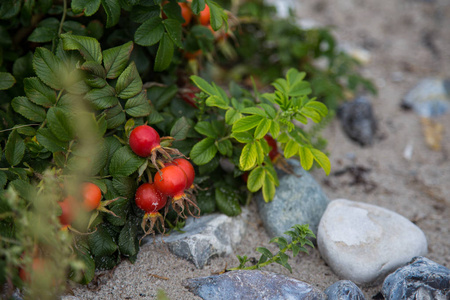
408, 40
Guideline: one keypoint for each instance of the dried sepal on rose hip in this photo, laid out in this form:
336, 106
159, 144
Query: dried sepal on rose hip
146, 142
150, 200
173, 181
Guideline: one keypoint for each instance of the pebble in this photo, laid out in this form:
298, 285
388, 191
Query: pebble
364, 243
245, 284
298, 200
358, 121
344, 290
420, 279
429, 98
206, 237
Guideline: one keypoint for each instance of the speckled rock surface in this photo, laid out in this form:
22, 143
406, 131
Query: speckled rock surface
363, 243
206, 237
298, 200
252, 285
421, 279
344, 290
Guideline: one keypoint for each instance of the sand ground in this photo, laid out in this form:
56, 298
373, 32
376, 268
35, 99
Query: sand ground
407, 40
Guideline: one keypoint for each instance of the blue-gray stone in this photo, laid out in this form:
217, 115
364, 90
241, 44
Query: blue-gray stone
420, 279
298, 200
344, 290
358, 120
253, 285
206, 237
429, 98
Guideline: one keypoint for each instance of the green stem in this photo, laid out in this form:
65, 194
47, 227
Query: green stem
63, 18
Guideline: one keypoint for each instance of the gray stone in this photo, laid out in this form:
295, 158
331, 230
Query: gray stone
252, 285
206, 237
344, 290
420, 279
298, 200
358, 120
364, 243
429, 98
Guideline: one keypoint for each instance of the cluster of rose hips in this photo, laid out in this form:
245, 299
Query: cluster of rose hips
174, 179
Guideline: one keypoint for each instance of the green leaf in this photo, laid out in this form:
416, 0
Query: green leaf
128, 242
264, 251
263, 128
180, 129
203, 85
125, 162
322, 160
88, 46
274, 129
89, 7
216, 101
270, 111
268, 189
45, 32
115, 116
319, 107
129, 83
173, 28
27, 109
101, 242
227, 201
217, 15
14, 149
6, 80
295, 250
150, 32
59, 123
306, 157
204, 151
247, 160
9, 8
205, 128
225, 147
291, 149
232, 115
162, 96
138, 106
164, 54
126, 187
102, 98
256, 179
47, 139
197, 6
254, 111
49, 68
260, 152
246, 123
281, 241
242, 137
88, 268
311, 113
115, 59
119, 207
38, 92
112, 9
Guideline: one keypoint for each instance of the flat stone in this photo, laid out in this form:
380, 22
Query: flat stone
206, 237
429, 98
298, 200
420, 279
344, 290
358, 121
255, 284
363, 243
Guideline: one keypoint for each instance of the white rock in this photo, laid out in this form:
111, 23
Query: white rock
363, 242
206, 237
